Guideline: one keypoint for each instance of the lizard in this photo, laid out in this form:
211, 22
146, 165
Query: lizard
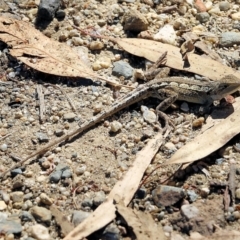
168, 89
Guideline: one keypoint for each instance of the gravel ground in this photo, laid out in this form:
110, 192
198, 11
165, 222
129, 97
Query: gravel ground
78, 175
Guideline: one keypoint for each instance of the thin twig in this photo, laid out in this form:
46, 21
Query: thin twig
41, 103
226, 199
5, 136
231, 182
18, 159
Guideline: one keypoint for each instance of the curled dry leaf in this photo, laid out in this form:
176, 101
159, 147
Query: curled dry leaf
42, 53
210, 140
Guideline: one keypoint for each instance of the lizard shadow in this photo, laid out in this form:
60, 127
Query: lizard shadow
222, 112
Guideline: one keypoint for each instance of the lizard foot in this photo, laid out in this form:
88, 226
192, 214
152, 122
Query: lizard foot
167, 121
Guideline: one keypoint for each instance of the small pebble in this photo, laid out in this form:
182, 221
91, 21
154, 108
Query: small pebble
3, 206
79, 216
97, 108
99, 198
96, 45
236, 214
39, 232
42, 137
81, 170
192, 195
59, 132
45, 199
122, 68
77, 41
237, 193
224, 6
170, 146
184, 107
149, 116
4, 147
16, 171
166, 34
189, 211
204, 192
10, 226
161, 191
41, 214
69, 116
203, 17
235, 16
228, 39
198, 122
17, 196
115, 126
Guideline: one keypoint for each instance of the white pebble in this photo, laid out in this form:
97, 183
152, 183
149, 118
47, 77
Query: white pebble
166, 34
4, 147
115, 126
40, 232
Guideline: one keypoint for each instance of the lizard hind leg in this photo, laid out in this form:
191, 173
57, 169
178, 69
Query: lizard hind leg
169, 98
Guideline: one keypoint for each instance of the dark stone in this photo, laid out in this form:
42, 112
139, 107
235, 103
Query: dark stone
141, 193
55, 176
67, 173
16, 171
59, 132
60, 14
48, 8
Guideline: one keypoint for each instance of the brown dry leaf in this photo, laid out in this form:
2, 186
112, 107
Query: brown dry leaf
142, 224
62, 220
209, 141
42, 53
151, 50
123, 191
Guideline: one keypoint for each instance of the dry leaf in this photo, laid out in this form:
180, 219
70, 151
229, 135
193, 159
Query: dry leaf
42, 53
210, 140
142, 224
151, 50
123, 191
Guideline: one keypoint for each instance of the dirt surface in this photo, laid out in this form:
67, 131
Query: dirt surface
78, 175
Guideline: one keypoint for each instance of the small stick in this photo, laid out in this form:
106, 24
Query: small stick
65, 94
226, 199
18, 159
231, 181
41, 103
169, 9
5, 136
